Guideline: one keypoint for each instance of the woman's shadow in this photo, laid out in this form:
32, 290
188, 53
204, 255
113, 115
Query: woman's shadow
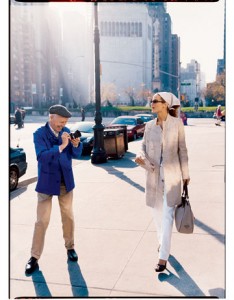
183, 282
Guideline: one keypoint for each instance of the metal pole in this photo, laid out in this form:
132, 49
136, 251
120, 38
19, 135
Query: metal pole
98, 154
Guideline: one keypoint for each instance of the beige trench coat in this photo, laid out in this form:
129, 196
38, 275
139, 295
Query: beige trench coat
175, 160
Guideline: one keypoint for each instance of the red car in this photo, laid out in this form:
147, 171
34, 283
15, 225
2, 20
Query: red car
135, 126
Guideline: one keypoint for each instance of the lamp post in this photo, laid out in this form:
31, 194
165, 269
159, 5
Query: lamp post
98, 154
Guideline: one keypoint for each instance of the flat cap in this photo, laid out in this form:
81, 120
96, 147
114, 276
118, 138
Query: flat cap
60, 110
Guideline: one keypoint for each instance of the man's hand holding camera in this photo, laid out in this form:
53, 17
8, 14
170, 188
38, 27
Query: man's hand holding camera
66, 137
75, 138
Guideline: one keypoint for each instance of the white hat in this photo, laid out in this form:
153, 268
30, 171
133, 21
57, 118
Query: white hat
170, 98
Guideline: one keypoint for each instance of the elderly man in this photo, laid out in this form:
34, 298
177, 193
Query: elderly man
54, 150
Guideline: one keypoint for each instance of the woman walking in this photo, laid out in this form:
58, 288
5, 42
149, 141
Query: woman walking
164, 156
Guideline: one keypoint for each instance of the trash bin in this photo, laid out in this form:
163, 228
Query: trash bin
114, 142
123, 129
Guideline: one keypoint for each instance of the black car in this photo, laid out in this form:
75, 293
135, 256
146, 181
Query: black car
18, 166
87, 134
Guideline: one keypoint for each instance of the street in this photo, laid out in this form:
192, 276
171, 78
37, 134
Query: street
115, 233
24, 138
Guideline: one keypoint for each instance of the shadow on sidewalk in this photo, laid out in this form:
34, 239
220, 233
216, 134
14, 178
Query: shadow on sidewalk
183, 282
220, 237
122, 163
40, 285
78, 284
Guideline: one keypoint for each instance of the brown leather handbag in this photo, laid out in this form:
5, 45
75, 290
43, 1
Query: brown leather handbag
184, 218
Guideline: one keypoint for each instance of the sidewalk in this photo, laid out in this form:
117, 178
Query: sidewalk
115, 234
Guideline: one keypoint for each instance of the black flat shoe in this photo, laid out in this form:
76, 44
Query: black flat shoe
71, 255
160, 268
31, 266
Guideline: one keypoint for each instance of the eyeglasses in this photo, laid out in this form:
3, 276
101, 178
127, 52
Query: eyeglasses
156, 101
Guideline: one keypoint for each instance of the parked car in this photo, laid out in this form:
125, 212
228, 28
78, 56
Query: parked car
12, 119
87, 134
145, 117
18, 166
135, 126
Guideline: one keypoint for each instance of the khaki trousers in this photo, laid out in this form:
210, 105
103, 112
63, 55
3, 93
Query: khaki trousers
44, 207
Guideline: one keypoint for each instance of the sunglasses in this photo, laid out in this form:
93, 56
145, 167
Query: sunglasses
156, 101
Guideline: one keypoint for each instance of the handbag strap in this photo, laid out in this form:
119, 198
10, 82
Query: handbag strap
185, 190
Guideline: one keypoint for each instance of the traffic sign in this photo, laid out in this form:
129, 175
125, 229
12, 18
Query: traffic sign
185, 83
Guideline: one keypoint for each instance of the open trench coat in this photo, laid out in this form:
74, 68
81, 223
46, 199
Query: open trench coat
175, 160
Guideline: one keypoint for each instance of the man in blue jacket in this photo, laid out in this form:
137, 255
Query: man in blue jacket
54, 150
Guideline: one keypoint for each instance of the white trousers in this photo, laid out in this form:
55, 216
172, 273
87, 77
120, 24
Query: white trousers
163, 217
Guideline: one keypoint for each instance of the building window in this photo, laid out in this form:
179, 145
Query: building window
117, 29
136, 31
109, 29
140, 29
121, 29
128, 29
132, 29
124, 29
149, 32
113, 28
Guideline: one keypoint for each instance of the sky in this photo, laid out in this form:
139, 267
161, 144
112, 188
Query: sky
200, 27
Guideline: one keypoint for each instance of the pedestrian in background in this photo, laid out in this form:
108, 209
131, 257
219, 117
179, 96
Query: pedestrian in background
82, 114
218, 115
18, 118
164, 156
54, 150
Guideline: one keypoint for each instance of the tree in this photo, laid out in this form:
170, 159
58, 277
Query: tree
131, 94
108, 92
215, 91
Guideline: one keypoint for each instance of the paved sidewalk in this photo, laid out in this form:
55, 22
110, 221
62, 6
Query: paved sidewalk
115, 234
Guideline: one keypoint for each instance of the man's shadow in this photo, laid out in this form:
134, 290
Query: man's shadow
78, 284
40, 285
183, 282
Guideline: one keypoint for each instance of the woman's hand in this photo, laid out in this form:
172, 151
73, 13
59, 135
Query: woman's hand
140, 160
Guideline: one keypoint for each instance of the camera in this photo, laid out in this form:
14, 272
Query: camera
75, 135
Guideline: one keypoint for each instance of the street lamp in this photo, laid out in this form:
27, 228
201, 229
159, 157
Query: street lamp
98, 154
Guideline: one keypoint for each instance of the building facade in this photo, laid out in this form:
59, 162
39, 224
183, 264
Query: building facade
190, 85
52, 53
125, 52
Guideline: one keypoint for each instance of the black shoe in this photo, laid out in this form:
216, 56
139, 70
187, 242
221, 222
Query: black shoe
71, 255
160, 268
31, 266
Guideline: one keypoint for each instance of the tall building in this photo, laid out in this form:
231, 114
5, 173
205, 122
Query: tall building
175, 64
125, 52
191, 81
166, 50
33, 68
22, 70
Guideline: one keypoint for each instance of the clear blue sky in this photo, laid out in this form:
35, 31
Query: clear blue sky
200, 27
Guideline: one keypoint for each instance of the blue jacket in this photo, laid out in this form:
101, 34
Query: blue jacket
53, 165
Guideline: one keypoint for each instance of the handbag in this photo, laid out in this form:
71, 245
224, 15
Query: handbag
184, 218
